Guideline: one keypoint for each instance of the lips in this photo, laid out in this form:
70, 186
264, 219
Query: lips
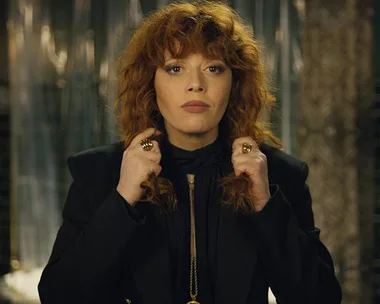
195, 106
195, 103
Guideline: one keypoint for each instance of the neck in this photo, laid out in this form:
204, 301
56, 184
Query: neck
191, 141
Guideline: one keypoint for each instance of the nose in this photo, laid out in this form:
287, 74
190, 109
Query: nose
196, 84
195, 88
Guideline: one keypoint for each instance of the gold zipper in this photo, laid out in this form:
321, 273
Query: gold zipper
193, 245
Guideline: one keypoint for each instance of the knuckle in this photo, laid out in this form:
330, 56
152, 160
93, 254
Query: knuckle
127, 153
262, 158
237, 165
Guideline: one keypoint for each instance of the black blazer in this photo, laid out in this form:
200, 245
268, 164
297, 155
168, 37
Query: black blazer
102, 255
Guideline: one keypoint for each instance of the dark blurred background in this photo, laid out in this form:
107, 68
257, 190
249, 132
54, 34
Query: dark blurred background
57, 86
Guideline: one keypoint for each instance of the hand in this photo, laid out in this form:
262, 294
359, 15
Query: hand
253, 164
137, 165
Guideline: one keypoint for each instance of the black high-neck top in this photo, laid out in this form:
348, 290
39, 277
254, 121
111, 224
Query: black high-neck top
205, 164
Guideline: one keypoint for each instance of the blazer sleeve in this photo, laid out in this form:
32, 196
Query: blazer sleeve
85, 264
298, 266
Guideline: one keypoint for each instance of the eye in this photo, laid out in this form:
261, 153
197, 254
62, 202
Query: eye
173, 69
217, 69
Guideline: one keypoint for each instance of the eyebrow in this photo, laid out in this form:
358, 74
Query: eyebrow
183, 59
171, 59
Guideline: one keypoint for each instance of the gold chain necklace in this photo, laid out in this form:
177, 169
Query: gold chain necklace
193, 246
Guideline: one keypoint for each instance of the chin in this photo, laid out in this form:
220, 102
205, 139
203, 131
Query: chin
193, 128
197, 132
193, 131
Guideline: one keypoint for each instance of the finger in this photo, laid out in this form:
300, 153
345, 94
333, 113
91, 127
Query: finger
152, 156
138, 149
155, 169
237, 172
239, 169
242, 162
146, 165
256, 163
155, 148
254, 153
251, 158
143, 135
245, 168
238, 143
239, 151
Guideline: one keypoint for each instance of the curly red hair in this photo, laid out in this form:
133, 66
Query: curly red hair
215, 30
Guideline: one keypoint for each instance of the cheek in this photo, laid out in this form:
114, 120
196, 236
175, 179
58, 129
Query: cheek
162, 93
225, 86
224, 95
166, 103
164, 100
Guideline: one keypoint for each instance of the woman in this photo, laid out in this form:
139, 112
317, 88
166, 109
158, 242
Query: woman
192, 206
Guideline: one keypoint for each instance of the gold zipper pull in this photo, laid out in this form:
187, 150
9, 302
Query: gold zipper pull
191, 179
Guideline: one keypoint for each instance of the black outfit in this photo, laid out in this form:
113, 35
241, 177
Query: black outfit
205, 165
107, 251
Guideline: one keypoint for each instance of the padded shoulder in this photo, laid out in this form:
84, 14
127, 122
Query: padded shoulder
96, 165
283, 166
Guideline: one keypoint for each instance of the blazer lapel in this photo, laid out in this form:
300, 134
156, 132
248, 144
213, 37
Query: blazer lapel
149, 251
150, 260
236, 259
236, 254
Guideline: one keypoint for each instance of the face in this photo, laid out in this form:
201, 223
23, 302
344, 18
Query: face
192, 94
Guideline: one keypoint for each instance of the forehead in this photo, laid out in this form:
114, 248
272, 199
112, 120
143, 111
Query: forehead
193, 55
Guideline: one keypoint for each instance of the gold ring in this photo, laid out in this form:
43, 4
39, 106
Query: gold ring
146, 144
246, 148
